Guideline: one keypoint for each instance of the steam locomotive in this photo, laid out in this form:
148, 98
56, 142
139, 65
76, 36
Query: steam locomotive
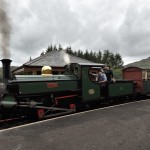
41, 94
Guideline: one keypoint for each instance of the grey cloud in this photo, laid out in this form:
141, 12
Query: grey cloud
120, 26
45, 24
135, 31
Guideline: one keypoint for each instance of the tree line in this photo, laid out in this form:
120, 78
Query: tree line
105, 57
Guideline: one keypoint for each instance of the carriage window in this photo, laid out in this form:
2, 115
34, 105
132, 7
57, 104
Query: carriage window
148, 75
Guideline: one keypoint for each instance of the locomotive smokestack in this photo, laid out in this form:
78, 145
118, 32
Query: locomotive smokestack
6, 69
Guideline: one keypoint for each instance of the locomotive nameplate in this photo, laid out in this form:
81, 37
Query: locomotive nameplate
52, 85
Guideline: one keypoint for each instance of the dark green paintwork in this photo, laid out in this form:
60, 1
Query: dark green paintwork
120, 89
40, 84
146, 85
90, 90
9, 101
42, 87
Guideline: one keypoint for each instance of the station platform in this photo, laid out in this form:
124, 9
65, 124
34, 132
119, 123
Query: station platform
124, 127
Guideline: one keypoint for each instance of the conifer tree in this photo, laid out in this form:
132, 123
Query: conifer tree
107, 57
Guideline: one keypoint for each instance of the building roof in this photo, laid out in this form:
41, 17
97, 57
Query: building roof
56, 59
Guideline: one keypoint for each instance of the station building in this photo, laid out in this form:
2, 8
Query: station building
55, 59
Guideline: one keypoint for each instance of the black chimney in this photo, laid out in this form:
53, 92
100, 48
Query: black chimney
6, 69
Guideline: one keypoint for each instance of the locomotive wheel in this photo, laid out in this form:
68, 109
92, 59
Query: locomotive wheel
40, 113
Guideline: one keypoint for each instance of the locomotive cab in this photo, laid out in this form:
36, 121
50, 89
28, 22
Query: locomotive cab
73, 69
90, 88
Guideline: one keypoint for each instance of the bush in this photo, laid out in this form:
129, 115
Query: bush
117, 73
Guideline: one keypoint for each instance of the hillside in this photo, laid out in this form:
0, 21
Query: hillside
144, 64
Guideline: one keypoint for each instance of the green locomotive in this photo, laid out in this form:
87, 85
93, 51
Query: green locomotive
47, 92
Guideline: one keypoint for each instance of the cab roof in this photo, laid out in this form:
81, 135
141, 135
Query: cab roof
90, 64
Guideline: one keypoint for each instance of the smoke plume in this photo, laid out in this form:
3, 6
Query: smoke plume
66, 58
5, 30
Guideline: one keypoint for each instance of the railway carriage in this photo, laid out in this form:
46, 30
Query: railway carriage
140, 77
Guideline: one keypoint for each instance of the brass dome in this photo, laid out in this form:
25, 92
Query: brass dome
46, 70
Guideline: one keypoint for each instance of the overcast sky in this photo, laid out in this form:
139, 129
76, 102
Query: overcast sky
121, 26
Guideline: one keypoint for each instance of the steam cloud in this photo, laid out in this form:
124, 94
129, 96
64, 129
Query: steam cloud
5, 30
66, 58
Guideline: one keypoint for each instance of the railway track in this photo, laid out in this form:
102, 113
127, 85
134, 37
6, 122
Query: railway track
12, 122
